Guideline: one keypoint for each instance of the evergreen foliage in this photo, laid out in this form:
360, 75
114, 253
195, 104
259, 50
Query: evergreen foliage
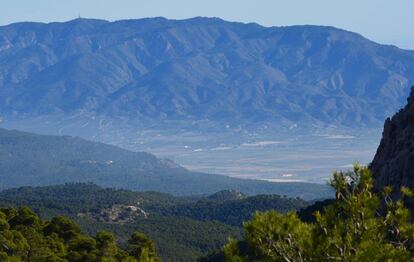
25, 237
75, 198
183, 228
359, 225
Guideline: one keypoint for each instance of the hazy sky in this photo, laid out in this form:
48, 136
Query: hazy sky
385, 21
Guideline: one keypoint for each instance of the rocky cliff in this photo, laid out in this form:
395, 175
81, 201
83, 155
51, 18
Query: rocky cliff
393, 163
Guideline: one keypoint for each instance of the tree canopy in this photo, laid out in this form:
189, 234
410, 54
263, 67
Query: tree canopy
25, 237
360, 225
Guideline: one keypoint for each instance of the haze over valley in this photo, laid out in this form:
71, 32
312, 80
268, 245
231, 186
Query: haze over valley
272, 103
266, 154
207, 131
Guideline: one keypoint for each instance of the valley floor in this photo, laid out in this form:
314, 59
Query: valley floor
287, 155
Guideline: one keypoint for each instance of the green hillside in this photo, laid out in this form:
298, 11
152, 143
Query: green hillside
37, 160
25, 237
183, 228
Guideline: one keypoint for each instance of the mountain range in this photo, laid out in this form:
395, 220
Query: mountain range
199, 72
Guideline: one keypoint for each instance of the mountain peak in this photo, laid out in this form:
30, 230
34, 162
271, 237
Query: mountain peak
86, 20
156, 69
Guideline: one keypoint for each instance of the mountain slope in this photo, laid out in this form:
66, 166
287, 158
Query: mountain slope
393, 164
235, 212
183, 228
34, 160
152, 70
82, 198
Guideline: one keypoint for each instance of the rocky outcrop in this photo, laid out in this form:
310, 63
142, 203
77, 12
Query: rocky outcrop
393, 164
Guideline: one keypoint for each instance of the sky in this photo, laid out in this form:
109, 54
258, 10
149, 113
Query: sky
384, 21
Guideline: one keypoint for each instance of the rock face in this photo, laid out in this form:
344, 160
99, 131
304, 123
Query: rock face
393, 163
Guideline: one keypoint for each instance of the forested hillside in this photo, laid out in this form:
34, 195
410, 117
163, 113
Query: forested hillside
183, 228
25, 237
36, 160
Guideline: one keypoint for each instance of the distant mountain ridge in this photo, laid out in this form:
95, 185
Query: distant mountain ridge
37, 160
200, 69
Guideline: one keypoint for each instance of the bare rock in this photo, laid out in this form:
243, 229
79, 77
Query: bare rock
393, 164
